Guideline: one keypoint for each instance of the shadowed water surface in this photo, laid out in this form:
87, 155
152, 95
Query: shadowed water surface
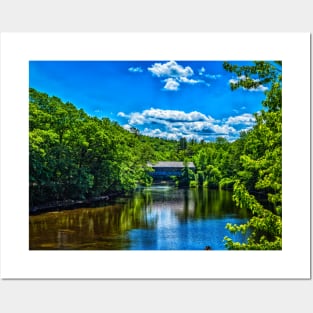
155, 218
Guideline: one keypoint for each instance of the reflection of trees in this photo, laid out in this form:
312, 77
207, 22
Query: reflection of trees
98, 227
206, 203
107, 227
137, 212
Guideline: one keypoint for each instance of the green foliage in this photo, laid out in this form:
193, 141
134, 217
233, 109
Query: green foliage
200, 178
265, 226
186, 177
254, 76
226, 183
260, 167
75, 156
193, 184
213, 175
215, 161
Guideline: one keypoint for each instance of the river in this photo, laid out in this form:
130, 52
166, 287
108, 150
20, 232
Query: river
155, 218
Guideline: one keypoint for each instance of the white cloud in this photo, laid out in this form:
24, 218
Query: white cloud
210, 76
213, 76
259, 88
174, 75
176, 124
137, 119
135, 69
161, 134
190, 81
171, 84
153, 115
170, 135
122, 114
233, 81
223, 129
201, 71
170, 69
246, 118
127, 127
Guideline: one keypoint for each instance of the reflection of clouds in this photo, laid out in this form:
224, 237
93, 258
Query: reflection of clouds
172, 204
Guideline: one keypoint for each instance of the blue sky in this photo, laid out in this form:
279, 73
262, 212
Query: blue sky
167, 99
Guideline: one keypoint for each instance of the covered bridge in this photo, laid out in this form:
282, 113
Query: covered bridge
164, 170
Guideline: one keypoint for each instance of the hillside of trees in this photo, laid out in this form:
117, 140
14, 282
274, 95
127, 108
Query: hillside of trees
75, 156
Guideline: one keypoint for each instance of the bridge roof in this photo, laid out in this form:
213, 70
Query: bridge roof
171, 164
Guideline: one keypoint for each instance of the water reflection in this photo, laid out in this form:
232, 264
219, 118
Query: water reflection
152, 219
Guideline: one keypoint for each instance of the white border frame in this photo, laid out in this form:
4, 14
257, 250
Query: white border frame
293, 262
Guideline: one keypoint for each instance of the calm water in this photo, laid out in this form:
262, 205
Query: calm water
156, 218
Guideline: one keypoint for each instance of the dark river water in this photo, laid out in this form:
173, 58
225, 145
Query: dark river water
155, 218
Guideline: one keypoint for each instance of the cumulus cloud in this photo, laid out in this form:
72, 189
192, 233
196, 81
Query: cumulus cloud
135, 69
190, 81
170, 69
246, 118
174, 74
127, 127
121, 114
159, 115
175, 124
170, 135
161, 134
171, 84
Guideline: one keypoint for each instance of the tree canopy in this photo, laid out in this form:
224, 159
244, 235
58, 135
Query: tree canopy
261, 161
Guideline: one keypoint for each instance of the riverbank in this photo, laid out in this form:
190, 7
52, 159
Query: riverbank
72, 204
69, 204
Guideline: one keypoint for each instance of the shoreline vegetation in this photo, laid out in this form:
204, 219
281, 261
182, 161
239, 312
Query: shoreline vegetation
70, 204
86, 159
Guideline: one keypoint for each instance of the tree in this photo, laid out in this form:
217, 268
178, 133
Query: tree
213, 176
261, 160
186, 176
76, 156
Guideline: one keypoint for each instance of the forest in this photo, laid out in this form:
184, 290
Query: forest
74, 156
